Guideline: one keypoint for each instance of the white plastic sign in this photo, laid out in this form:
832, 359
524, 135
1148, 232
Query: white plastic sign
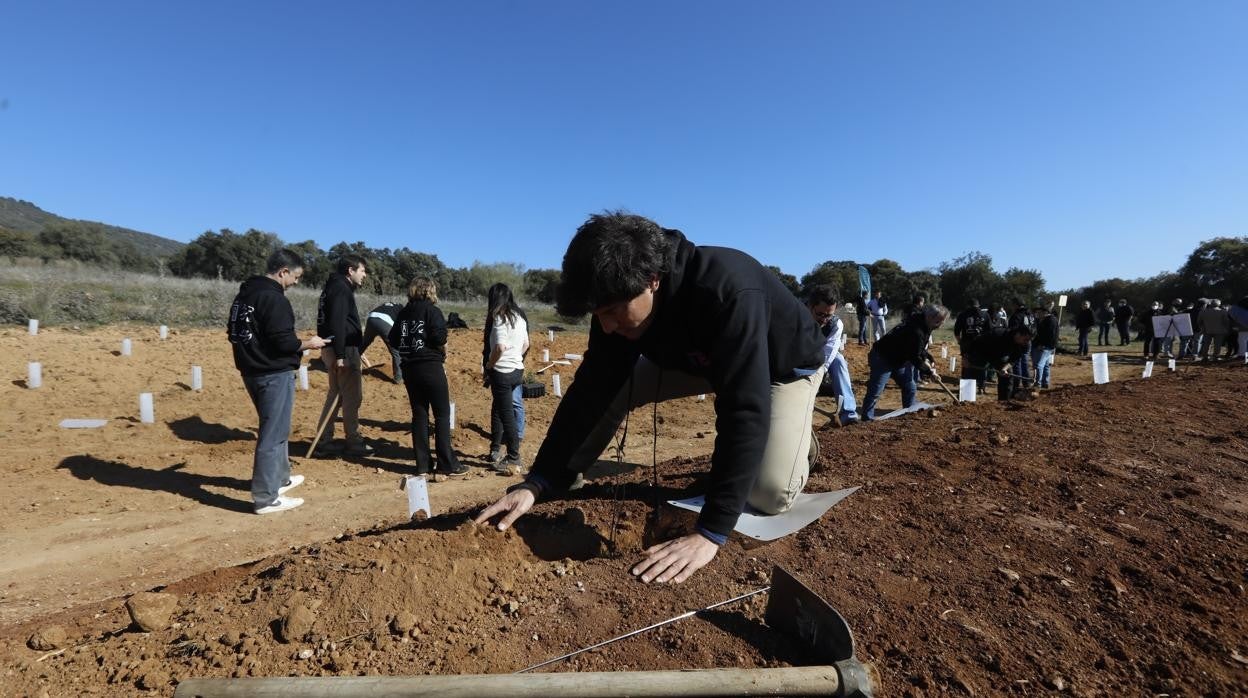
34, 374
550, 334
1148, 369
1100, 368
545, 356
1170, 364
953, 364
164, 332
32, 327
558, 386
125, 347
944, 352
417, 496
197, 378
1061, 301
147, 410
967, 389
303, 377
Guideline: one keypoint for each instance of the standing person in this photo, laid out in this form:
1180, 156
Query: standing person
1239, 321
971, 323
1021, 317
822, 302
1198, 338
864, 315
1105, 319
899, 355
1176, 308
419, 336
496, 296
1215, 324
509, 340
267, 352
998, 349
338, 321
1122, 317
1151, 344
1044, 345
879, 311
670, 320
1085, 319
379, 323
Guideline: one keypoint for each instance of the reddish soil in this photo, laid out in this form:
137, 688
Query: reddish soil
1090, 541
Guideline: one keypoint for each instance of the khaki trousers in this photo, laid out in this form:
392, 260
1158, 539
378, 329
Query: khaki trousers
347, 383
786, 458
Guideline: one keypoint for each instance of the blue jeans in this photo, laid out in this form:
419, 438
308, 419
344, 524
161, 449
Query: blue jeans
862, 328
273, 394
1083, 339
1021, 370
881, 371
1103, 337
517, 401
838, 376
1043, 360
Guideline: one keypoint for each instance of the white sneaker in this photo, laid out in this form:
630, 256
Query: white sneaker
282, 504
292, 483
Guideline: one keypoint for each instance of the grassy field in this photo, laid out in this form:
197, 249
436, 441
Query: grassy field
68, 295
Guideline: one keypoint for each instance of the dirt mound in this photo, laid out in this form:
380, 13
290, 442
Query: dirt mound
1091, 541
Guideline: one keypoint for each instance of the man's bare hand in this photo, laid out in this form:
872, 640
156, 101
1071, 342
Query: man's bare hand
676, 560
314, 343
514, 504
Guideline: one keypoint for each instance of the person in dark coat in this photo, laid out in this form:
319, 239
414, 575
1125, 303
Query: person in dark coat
899, 355
379, 323
1085, 320
1122, 317
997, 349
419, 336
1105, 318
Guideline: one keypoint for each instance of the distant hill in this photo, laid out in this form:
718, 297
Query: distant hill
25, 217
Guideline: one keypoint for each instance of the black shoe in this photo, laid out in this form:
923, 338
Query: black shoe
358, 448
457, 469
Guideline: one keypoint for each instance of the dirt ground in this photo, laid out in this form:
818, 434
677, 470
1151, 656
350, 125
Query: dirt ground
1090, 541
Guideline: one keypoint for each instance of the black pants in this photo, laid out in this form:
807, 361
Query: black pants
426, 387
1124, 332
503, 412
980, 375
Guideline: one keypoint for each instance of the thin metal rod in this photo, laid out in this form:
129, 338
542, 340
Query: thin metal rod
648, 627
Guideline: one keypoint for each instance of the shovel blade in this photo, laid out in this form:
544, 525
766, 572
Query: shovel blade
794, 609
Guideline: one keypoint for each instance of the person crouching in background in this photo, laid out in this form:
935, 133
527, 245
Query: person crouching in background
509, 340
419, 336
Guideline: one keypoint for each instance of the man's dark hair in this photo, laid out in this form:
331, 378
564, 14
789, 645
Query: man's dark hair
610, 259
283, 259
1018, 303
918, 298
973, 303
347, 262
822, 294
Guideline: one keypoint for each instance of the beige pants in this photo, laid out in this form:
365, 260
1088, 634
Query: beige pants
786, 458
349, 384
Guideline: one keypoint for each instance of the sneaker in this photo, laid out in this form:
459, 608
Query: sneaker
495, 458
292, 483
327, 449
358, 448
458, 469
509, 465
281, 504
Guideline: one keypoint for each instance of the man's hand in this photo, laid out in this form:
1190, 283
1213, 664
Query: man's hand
676, 560
314, 343
514, 504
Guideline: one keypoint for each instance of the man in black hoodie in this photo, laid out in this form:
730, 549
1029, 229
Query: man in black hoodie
996, 349
266, 353
338, 321
901, 355
1122, 317
672, 319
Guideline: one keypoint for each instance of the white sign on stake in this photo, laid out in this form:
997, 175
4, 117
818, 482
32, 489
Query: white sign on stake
1179, 325
197, 378
558, 386
1148, 369
1100, 368
967, 389
1061, 301
147, 411
32, 327
417, 496
303, 377
34, 374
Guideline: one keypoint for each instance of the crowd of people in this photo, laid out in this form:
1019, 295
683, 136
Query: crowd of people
670, 319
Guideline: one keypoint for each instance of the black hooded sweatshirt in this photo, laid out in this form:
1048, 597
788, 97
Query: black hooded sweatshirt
721, 315
905, 343
337, 316
419, 333
262, 329
994, 349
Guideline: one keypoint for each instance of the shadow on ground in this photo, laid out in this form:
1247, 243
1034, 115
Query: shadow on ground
171, 479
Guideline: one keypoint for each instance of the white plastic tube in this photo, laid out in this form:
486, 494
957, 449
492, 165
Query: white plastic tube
558, 386
32, 326
197, 378
452, 415
953, 364
164, 332
147, 411
550, 334
303, 377
125, 347
34, 374
545, 355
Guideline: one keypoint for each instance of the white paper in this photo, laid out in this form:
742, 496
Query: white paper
83, 423
1148, 369
755, 524
147, 410
417, 496
907, 410
1100, 368
303, 377
164, 332
1170, 364
558, 386
197, 378
34, 374
125, 347
1172, 325
32, 327
967, 389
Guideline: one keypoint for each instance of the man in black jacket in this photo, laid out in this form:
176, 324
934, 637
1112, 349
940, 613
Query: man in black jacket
379, 323
1122, 317
997, 349
338, 321
1044, 344
970, 323
266, 353
672, 319
901, 355
1021, 317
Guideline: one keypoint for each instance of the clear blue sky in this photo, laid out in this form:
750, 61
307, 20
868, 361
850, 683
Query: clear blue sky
1084, 139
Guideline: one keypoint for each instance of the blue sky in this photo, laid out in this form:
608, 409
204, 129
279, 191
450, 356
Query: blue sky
1084, 139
